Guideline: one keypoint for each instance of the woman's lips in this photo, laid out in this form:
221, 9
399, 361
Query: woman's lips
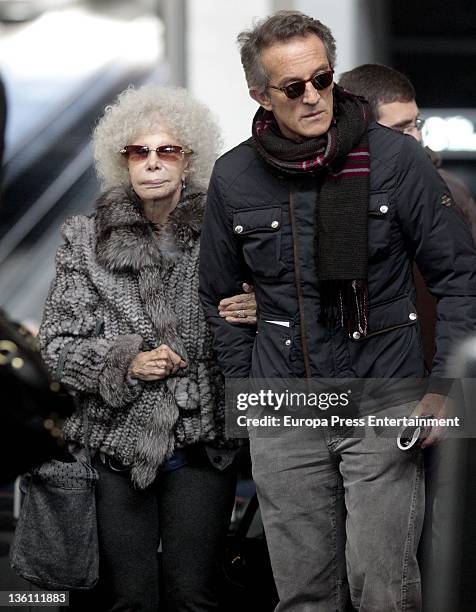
156, 183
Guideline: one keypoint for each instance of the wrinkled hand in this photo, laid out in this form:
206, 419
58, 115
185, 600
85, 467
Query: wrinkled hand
156, 364
436, 405
239, 308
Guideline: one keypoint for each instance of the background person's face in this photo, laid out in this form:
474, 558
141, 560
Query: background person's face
155, 179
297, 59
400, 116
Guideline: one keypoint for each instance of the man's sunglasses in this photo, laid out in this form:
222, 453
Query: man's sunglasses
136, 153
320, 81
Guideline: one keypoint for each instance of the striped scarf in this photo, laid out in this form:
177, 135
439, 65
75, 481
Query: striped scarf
340, 161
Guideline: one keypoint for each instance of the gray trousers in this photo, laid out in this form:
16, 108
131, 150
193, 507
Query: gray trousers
341, 515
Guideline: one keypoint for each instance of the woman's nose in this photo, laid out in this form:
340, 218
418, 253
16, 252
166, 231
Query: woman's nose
153, 160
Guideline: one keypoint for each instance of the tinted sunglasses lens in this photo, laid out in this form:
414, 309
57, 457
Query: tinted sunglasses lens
295, 89
323, 80
169, 152
135, 153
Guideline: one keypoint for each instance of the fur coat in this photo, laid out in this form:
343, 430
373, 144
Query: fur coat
123, 286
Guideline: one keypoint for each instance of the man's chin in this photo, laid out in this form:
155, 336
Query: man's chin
305, 134
302, 131
314, 130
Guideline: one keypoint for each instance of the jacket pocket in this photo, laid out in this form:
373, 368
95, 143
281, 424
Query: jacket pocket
378, 226
260, 232
272, 348
389, 315
393, 345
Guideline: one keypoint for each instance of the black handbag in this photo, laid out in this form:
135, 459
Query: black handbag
55, 545
249, 583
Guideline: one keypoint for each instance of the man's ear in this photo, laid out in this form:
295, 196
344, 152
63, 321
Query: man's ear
262, 98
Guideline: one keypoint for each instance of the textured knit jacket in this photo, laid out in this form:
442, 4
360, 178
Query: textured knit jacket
123, 286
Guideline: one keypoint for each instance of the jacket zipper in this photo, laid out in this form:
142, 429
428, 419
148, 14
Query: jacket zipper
297, 278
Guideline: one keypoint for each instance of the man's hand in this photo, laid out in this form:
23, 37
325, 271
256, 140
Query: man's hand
156, 364
239, 308
435, 405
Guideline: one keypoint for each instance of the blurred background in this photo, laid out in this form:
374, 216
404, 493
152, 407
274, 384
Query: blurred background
62, 61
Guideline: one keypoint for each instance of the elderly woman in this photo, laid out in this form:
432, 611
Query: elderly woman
124, 328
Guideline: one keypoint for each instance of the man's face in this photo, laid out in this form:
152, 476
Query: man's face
297, 59
400, 116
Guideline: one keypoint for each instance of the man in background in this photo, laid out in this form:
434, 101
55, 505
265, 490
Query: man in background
392, 100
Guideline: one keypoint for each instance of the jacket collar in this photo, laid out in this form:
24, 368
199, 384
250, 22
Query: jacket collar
126, 241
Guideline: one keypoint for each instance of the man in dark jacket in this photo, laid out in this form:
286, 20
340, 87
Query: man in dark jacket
325, 213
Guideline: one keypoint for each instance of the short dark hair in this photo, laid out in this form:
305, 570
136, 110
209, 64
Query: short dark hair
378, 84
281, 26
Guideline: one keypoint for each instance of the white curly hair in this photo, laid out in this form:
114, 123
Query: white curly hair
144, 111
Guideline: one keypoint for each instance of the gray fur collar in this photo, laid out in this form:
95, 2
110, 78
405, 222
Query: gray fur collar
126, 241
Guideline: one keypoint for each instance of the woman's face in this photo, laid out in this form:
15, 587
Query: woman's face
157, 177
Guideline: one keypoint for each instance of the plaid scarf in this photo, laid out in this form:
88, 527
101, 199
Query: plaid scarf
340, 161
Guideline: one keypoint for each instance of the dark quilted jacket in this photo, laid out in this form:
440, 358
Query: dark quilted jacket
247, 236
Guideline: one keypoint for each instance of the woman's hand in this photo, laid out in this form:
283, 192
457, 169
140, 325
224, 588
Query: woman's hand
239, 308
156, 364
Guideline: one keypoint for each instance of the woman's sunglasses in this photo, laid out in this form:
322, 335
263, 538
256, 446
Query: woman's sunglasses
320, 81
136, 153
